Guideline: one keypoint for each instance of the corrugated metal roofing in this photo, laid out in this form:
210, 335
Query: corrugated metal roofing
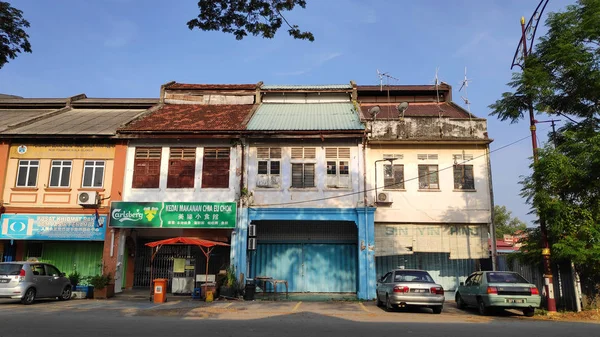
79, 122
306, 87
420, 109
192, 86
309, 116
14, 116
418, 87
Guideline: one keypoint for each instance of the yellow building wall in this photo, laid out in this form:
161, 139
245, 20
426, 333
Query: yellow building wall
60, 197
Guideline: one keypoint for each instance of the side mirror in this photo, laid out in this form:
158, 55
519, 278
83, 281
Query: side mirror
462, 283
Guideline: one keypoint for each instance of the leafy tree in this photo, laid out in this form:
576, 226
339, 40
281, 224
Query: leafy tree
505, 223
562, 77
13, 39
240, 17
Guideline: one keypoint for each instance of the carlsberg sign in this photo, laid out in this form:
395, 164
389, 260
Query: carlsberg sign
173, 214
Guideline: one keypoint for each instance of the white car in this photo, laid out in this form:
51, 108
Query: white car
30, 280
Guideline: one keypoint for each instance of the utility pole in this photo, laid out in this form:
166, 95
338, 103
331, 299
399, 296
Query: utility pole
548, 278
553, 128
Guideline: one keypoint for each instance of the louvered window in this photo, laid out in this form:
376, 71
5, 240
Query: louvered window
303, 175
459, 158
338, 170
303, 153
463, 177
215, 168
428, 177
427, 157
146, 171
269, 167
182, 167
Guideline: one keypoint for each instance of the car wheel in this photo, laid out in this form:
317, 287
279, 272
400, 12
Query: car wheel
437, 309
483, 310
529, 312
379, 303
388, 304
66, 294
460, 303
29, 296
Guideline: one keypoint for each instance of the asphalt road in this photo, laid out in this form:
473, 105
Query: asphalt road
114, 318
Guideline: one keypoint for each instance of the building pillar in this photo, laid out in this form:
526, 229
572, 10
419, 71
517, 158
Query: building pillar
239, 243
366, 253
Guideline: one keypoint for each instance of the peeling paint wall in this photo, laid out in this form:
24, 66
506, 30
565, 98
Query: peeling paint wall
428, 128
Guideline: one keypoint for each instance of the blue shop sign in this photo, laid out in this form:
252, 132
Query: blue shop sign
66, 227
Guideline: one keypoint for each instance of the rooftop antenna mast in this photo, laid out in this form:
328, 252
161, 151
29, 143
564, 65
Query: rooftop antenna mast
387, 84
465, 98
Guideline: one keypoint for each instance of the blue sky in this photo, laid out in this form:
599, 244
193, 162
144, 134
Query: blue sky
128, 48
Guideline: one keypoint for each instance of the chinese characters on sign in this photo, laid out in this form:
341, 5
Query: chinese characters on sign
52, 227
173, 214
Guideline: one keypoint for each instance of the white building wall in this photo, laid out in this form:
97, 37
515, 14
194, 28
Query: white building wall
196, 194
320, 196
446, 205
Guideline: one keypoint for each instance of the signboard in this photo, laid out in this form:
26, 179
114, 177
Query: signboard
67, 227
62, 151
172, 214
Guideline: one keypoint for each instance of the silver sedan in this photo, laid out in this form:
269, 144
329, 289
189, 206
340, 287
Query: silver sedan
409, 287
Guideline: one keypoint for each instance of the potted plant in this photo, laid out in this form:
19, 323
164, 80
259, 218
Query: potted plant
74, 278
229, 286
103, 288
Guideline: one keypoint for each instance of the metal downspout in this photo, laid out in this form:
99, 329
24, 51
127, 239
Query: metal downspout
492, 224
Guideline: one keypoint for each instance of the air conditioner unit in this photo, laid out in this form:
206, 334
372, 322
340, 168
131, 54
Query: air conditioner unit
384, 197
252, 244
251, 230
87, 198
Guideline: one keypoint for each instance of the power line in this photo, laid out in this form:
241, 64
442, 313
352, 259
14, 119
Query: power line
398, 183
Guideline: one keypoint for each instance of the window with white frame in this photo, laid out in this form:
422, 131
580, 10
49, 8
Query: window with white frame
60, 173
338, 167
269, 167
303, 167
27, 173
428, 177
93, 174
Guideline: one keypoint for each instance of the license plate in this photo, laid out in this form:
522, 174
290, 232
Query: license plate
513, 300
4, 281
418, 290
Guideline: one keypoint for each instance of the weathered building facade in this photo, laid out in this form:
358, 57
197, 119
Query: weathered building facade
428, 173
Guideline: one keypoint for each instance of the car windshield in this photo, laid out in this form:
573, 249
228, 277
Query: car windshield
505, 278
10, 268
413, 276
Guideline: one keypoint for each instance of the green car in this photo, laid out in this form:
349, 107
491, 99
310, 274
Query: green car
487, 290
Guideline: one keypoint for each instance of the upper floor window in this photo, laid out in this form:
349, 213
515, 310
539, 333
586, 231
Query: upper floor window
338, 167
463, 177
303, 167
182, 167
93, 174
393, 177
27, 173
428, 177
146, 170
60, 173
269, 167
215, 167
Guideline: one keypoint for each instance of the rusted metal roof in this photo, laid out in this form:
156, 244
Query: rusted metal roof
192, 86
389, 111
193, 117
9, 117
305, 117
78, 122
421, 87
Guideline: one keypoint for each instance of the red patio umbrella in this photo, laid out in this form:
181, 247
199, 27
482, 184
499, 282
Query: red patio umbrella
206, 246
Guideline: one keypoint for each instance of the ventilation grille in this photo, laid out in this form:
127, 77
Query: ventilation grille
148, 152
393, 156
268, 152
427, 157
462, 157
186, 153
303, 153
334, 152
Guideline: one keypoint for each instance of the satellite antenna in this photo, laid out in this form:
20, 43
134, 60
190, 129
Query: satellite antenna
402, 108
374, 111
465, 85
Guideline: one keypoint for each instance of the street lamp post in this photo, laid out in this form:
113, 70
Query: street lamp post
519, 60
391, 160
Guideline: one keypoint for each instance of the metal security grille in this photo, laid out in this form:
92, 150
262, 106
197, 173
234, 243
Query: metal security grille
306, 231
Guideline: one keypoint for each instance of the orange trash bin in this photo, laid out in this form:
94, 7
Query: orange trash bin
160, 290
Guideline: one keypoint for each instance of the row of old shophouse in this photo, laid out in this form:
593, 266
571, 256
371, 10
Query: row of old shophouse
325, 186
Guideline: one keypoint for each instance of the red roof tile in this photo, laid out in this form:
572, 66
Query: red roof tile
389, 111
191, 86
194, 117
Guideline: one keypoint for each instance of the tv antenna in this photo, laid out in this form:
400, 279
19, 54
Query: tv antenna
387, 78
464, 85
